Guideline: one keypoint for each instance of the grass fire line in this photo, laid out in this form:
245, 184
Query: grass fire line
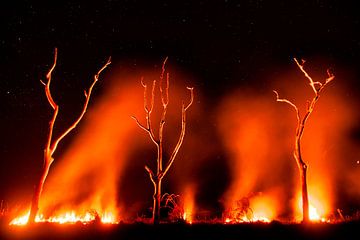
253, 208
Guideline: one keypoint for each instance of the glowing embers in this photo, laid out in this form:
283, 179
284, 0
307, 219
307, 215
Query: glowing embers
257, 208
70, 217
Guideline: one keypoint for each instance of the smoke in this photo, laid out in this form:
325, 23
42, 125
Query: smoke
103, 169
86, 175
258, 134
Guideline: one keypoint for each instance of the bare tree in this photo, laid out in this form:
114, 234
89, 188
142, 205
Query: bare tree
317, 88
51, 143
157, 176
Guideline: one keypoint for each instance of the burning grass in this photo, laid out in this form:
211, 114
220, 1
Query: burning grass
70, 217
273, 230
260, 194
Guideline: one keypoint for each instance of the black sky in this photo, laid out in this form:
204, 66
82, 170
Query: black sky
224, 44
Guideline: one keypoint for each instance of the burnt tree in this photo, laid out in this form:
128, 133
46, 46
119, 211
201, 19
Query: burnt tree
317, 88
52, 144
157, 176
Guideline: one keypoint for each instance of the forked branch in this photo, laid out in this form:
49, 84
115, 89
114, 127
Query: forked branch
317, 87
157, 176
87, 99
51, 145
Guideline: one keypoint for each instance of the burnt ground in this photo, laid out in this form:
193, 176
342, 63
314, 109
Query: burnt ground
275, 230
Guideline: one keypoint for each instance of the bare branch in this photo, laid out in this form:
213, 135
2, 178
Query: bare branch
182, 133
53, 105
149, 171
50, 148
191, 89
164, 96
284, 100
88, 94
47, 85
163, 67
330, 77
156, 177
148, 130
164, 101
151, 175
139, 124
301, 67
317, 88
148, 111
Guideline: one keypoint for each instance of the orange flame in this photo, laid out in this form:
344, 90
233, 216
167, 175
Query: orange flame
259, 139
189, 204
259, 208
318, 207
67, 217
85, 185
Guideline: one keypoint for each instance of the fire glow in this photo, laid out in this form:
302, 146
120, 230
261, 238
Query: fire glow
255, 132
67, 218
317, 209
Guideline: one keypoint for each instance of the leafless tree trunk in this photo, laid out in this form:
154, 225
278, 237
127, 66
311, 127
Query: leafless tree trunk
157, 176
317, 88
51, 144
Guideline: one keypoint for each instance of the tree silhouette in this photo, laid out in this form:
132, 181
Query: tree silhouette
52, 144
157, 176
317, 88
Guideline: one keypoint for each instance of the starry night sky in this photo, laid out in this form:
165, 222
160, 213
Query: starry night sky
224, 44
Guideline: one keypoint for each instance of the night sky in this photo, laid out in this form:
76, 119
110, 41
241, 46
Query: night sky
224, 45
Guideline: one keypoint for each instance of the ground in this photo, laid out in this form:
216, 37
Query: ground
274, 230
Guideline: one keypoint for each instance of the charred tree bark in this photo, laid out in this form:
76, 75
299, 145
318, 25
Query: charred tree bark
51, 145
317, 88
157, 176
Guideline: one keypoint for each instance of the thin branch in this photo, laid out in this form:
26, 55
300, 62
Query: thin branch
301, 67
149, 171
330, 77
88, 94
284, 100
47, 85
139, 124
54, 106
164, 97
164, 101
148, 111
312, 83
145, 129
151, 174
182, 133
191, 89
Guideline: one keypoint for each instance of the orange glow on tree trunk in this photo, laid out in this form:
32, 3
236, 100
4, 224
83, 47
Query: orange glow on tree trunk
317, 88
51, 144
157, 176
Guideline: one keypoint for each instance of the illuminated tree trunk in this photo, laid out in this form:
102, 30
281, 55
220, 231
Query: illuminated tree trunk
38, 190
157, 201
51, 144
303, 171
157, 177
317, 87
304, 194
